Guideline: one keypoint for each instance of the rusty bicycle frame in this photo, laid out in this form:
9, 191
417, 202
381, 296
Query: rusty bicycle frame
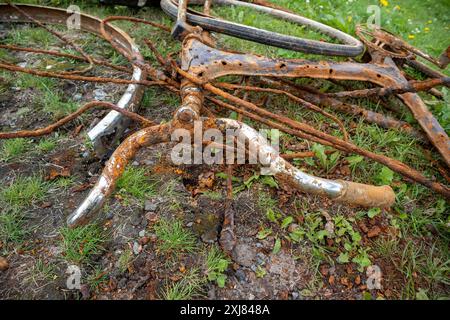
195, 80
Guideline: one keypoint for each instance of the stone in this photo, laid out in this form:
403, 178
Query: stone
99, 94
240, 275
137, 248
3, 264
374, 232
85, 292
244, 255
136, 219
150, 205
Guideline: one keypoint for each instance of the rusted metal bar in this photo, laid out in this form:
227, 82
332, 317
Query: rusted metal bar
393, 164
114, 168
342, 191
93, 104
66, 55
319, 98
61, 37
309, 106
207, 64
411, 87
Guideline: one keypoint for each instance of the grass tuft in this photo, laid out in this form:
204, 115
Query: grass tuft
173, 237
24, 191
135, 182
13, 148
82, 243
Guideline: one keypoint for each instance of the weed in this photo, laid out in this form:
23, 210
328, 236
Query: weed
97, 278
41, 272
81, 243
46, 145
216, 263
13, 148
12, 227
187, 288
125, 260
135, 182
173, 237
23, 191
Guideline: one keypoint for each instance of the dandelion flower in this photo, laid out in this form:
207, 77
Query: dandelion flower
384, 3
411, 36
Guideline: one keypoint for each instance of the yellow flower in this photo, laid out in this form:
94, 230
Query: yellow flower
411, 36
427, 29
429, 21
384, 3
397, 7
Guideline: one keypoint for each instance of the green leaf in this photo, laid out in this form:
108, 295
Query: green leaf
270, 214
422, 295
233, 115
264, 234
354, 160
286, 222
269, 181
440, 206
347, 246
362, 260
373, 212
277, 246
319, 150
297, 235
222, 265
343, 258
321, 234
367, 295
385, 176
356, 237
221, 279
224, 176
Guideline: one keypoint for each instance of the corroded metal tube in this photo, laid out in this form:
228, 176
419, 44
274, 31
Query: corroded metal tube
114, 168
339, 190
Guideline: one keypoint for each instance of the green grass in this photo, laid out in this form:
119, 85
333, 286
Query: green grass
125, 260
13, 148
187, 288
52, 103
28, 81
12, 228
135, 182
31, 36
97, 278
23, 191
82, 243
41, 272
173, 237
46, 145
216, 264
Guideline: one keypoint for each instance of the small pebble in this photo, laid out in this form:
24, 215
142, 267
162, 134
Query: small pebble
3, 264
137, 248
150, 205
